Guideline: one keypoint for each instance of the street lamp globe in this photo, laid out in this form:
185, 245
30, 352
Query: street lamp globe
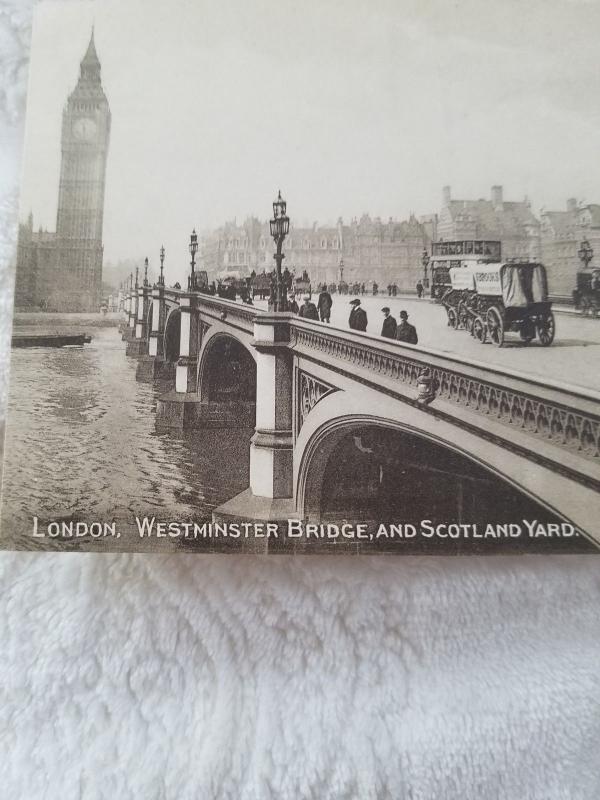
193, 250
161, 279
280, 224
280, 227
194, 243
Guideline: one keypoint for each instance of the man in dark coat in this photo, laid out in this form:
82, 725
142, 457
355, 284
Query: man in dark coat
324, 304
389, 324
406, 332
308, 309
358, 316
292, 304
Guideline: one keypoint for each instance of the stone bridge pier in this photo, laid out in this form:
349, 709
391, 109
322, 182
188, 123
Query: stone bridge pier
153, 363
138, 344
130, 308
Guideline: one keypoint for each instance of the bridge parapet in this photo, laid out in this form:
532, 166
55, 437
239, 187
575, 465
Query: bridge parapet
237, 315
557, 424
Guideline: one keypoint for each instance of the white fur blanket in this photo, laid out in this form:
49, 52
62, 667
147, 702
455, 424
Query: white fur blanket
215, 677
277, 677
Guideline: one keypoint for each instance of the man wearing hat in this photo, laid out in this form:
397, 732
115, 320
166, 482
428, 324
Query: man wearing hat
292, 304
324, 304
358, 316
308, 309
406, 332
389, 324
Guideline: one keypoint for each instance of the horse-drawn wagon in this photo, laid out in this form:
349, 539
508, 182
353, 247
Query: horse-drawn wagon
490, 300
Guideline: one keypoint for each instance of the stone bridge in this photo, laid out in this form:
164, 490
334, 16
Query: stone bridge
345, 423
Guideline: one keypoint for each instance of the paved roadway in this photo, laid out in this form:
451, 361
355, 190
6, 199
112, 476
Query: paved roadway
573, 358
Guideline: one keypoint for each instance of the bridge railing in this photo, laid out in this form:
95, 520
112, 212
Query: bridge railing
236, 314
565, 416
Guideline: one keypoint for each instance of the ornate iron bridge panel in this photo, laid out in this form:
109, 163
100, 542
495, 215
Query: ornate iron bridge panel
309, 391
550, 415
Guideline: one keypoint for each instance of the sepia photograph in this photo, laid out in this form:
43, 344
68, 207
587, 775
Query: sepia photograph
299, 400
247, 292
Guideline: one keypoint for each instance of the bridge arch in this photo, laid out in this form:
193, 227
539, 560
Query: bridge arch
406, 472
227, 378
397, 466
172, 335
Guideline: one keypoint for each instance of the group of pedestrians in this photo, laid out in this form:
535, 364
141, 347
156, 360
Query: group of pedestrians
308, 310
402, 331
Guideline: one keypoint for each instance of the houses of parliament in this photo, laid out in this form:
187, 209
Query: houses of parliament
62, 270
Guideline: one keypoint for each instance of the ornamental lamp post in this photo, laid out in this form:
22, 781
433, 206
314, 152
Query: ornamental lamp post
137, 272
146, 272
280, 227
585, 253
193, 251
161, 279
425, 261
341, 270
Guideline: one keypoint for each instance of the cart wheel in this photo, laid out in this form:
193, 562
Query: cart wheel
479, 329
546, 330
452, 317
495, 326
527, 331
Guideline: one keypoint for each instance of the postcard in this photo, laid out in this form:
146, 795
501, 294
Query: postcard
305, 279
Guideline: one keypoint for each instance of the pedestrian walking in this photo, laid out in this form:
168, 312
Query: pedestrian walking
419, 289
324, 304
292, 304
389, 324
406, 332
308, 309
358, 316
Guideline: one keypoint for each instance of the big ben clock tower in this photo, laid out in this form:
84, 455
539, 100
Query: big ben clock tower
84, 146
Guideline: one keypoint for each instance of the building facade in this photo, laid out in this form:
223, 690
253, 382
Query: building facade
62, 270
512, 223
365, 250
562, 234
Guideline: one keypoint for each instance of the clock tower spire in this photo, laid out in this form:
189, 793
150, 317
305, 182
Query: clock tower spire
84, 148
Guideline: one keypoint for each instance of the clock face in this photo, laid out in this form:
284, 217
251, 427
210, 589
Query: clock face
84, 129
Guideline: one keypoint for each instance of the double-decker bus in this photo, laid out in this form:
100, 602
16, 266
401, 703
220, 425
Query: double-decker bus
466, 252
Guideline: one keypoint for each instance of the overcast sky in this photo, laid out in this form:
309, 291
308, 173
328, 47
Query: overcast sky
347, 106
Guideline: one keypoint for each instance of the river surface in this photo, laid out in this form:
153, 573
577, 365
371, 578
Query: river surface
81, 444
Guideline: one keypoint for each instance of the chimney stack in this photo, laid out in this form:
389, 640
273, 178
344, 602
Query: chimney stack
497, 196
446, 196
572, 204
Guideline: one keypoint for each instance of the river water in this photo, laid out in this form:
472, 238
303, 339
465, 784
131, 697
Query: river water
81, 444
